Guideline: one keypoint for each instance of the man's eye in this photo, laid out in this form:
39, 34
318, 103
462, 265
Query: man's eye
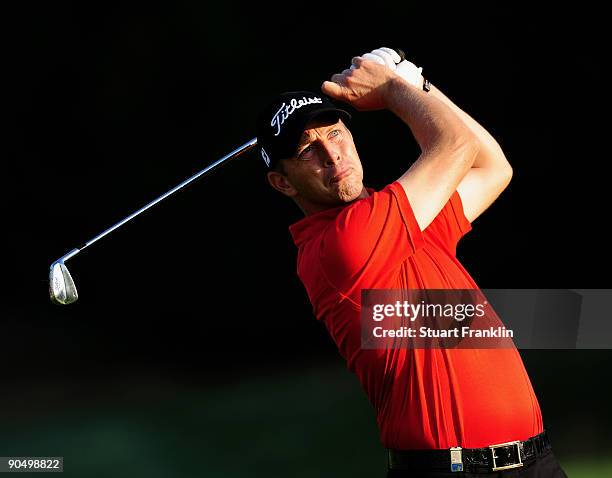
304, 153
335, 134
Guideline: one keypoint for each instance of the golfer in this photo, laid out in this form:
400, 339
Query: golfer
440, 412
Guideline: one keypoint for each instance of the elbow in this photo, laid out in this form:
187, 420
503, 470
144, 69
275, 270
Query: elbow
508, 175
504, 171
500, 177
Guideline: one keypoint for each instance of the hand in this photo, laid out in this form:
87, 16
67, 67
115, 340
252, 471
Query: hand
411, 73
384, 56
404, 68
363, 86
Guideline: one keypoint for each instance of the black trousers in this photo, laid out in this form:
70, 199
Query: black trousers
545, 466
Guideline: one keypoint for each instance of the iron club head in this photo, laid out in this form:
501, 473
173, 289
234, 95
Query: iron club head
61, 286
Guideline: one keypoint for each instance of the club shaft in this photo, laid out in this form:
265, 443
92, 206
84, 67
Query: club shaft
211, 167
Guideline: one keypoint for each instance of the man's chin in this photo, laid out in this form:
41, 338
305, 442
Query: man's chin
348, 191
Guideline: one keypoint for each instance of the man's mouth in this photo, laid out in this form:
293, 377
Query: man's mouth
340, 176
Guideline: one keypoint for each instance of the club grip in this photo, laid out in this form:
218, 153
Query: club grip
401, 53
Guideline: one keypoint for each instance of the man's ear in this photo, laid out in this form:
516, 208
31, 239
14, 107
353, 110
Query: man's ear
281, 183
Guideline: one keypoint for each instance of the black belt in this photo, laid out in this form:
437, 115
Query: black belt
503, 456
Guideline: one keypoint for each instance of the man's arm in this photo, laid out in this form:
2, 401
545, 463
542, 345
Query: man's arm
448, 146
490, 173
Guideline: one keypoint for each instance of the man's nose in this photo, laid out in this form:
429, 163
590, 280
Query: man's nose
331, 154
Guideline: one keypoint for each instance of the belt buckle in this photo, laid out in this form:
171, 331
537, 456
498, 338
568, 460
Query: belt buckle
456, 459
508, 444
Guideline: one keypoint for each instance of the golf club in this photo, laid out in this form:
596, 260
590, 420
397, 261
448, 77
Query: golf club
61, 285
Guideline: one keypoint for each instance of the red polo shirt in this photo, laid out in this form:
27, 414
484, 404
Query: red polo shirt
424, 398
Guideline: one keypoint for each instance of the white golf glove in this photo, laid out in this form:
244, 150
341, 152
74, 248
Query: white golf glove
404, 68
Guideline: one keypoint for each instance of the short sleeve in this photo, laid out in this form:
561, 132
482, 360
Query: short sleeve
375, 234
450, 225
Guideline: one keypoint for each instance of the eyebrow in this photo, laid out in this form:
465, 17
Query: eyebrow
306, 138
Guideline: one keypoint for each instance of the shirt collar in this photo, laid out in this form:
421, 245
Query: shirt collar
307, 228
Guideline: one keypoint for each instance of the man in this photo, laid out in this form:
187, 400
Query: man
427, 401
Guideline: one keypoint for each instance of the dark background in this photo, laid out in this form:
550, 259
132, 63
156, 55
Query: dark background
193, 345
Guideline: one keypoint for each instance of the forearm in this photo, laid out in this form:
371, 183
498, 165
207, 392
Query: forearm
433, 123
490, 154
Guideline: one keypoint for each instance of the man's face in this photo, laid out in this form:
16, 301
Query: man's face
325, 171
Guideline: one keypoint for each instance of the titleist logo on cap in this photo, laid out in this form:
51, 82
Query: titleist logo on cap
287, 110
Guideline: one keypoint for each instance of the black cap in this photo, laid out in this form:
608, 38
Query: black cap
282, 122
